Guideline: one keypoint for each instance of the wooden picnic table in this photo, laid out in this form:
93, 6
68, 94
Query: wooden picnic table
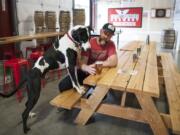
139, 77
13, 39
133, 45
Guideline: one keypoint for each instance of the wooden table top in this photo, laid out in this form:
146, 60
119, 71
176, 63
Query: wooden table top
131, 46
139, 76
13, 39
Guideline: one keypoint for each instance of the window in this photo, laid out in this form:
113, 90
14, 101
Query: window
83, 4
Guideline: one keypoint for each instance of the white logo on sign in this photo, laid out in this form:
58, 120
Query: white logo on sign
122, 15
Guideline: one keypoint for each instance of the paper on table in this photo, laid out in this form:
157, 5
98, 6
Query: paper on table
131, 72
121, 71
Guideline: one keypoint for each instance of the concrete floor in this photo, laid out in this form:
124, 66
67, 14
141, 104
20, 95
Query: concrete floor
51, 122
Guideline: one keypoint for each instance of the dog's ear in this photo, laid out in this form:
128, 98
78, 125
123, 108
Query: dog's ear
75, 35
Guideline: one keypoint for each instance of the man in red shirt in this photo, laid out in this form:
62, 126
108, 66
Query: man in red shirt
102, 49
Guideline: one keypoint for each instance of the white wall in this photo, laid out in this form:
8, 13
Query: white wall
25, 12
152, 26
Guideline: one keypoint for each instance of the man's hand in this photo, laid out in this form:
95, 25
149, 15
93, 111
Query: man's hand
89, 68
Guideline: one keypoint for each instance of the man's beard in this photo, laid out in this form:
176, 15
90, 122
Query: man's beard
102, 41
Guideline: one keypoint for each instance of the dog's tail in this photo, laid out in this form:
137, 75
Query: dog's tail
14, 91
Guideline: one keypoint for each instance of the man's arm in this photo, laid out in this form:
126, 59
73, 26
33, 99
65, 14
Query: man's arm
111, 61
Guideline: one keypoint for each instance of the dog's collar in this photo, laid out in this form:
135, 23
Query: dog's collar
75, 42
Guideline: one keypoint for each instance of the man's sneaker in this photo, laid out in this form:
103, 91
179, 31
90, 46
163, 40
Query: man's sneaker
88, 95
61, 110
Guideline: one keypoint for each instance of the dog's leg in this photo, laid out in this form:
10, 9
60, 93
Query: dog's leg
78, 79
71, 61
73, 75
34, 88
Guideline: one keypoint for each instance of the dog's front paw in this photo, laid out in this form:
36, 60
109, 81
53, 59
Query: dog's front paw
80, 90
83, 89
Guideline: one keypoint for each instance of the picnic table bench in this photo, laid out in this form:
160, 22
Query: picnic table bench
171, 78
140, 78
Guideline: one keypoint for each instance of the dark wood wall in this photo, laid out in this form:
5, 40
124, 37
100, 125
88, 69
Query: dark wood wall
6, 25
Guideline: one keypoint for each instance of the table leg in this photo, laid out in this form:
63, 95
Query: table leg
151, 115
93, 102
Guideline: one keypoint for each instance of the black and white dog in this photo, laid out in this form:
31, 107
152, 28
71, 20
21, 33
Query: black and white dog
63, 51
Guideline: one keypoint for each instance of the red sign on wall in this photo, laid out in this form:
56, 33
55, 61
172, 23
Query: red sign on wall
125, 17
